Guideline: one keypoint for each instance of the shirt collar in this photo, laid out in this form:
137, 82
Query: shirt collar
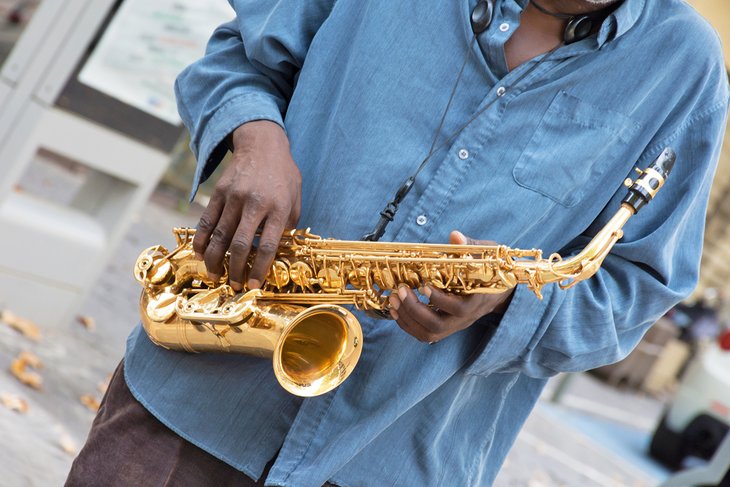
620, 21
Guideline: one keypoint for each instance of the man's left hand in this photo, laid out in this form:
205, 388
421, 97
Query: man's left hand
448, 313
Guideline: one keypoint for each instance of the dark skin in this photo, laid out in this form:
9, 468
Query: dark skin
538, 33
262, 188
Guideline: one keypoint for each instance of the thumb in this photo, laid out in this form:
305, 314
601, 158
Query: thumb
458, 238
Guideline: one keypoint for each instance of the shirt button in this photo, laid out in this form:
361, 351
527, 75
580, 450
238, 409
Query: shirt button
501, 91
504, 27
421, 220
463, 154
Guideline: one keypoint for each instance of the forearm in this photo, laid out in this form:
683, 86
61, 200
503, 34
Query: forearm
248, 73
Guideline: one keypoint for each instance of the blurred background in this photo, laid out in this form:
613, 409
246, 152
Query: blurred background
95, 167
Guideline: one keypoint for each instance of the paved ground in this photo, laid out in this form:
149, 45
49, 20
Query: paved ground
597, 435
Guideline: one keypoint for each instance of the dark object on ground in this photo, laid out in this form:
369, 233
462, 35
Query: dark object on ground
701, 438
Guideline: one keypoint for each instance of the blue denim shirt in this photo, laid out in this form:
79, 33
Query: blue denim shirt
359, 87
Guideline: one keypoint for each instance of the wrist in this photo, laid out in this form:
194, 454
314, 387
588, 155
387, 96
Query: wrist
501, 307
255, 134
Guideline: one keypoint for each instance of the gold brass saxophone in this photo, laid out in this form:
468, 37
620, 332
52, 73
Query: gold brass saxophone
297, 318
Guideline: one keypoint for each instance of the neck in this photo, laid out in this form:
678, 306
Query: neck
547, 25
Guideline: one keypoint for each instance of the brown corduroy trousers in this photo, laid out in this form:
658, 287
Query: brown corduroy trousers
127, 446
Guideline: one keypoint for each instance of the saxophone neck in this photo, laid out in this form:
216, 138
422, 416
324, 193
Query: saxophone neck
640, 192
586, 263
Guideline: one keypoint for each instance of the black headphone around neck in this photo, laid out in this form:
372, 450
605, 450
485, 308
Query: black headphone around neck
579, 26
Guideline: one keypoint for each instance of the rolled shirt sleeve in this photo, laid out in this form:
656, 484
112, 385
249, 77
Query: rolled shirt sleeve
248, 73
654, 266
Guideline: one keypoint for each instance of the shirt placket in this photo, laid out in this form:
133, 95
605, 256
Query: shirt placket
425, 215
427, 211
491, 42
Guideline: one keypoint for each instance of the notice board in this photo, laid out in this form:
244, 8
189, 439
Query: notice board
126, 78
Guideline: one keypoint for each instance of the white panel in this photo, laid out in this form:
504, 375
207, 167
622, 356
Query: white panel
42, 302
52, 243
5, 91
52, 254
17, 140
100, 148
30, 58
74, 47
33, 37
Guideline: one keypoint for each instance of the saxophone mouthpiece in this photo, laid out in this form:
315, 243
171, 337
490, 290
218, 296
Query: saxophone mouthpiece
665, 162
650, 181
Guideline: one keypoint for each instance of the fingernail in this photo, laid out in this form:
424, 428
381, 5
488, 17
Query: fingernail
253, 284
394, 314
237, 286
214, 277
427, 291
402, 292
394, 302
198, 256
462, 237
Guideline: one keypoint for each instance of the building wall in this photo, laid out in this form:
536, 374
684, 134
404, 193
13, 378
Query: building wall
715, 271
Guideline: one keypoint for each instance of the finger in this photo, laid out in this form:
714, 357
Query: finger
266, 250
294, 215
406, 323
416, 311
240, 249
451, 304
251, 221
220, 239
458, 238
207, 224
415, 330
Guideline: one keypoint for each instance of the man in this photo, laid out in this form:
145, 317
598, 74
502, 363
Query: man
328, 106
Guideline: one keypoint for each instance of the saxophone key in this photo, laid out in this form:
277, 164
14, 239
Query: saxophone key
330, 280
384, 278
360, 278
302, 275
278, 275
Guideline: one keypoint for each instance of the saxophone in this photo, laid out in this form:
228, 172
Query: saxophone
298, 317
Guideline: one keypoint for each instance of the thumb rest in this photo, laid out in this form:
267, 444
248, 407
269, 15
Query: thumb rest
297, 318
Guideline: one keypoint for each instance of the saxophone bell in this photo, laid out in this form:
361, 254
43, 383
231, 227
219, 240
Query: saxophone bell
314, 349
318, 350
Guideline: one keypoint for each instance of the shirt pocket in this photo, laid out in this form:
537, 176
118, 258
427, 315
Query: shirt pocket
567, 150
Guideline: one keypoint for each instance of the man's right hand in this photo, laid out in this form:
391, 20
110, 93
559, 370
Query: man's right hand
262, 185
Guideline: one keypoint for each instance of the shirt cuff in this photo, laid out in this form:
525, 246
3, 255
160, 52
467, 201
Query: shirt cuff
518, 332
210, 149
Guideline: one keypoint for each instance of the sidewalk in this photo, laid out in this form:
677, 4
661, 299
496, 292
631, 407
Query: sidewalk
596, 436
76, 361
561, 445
